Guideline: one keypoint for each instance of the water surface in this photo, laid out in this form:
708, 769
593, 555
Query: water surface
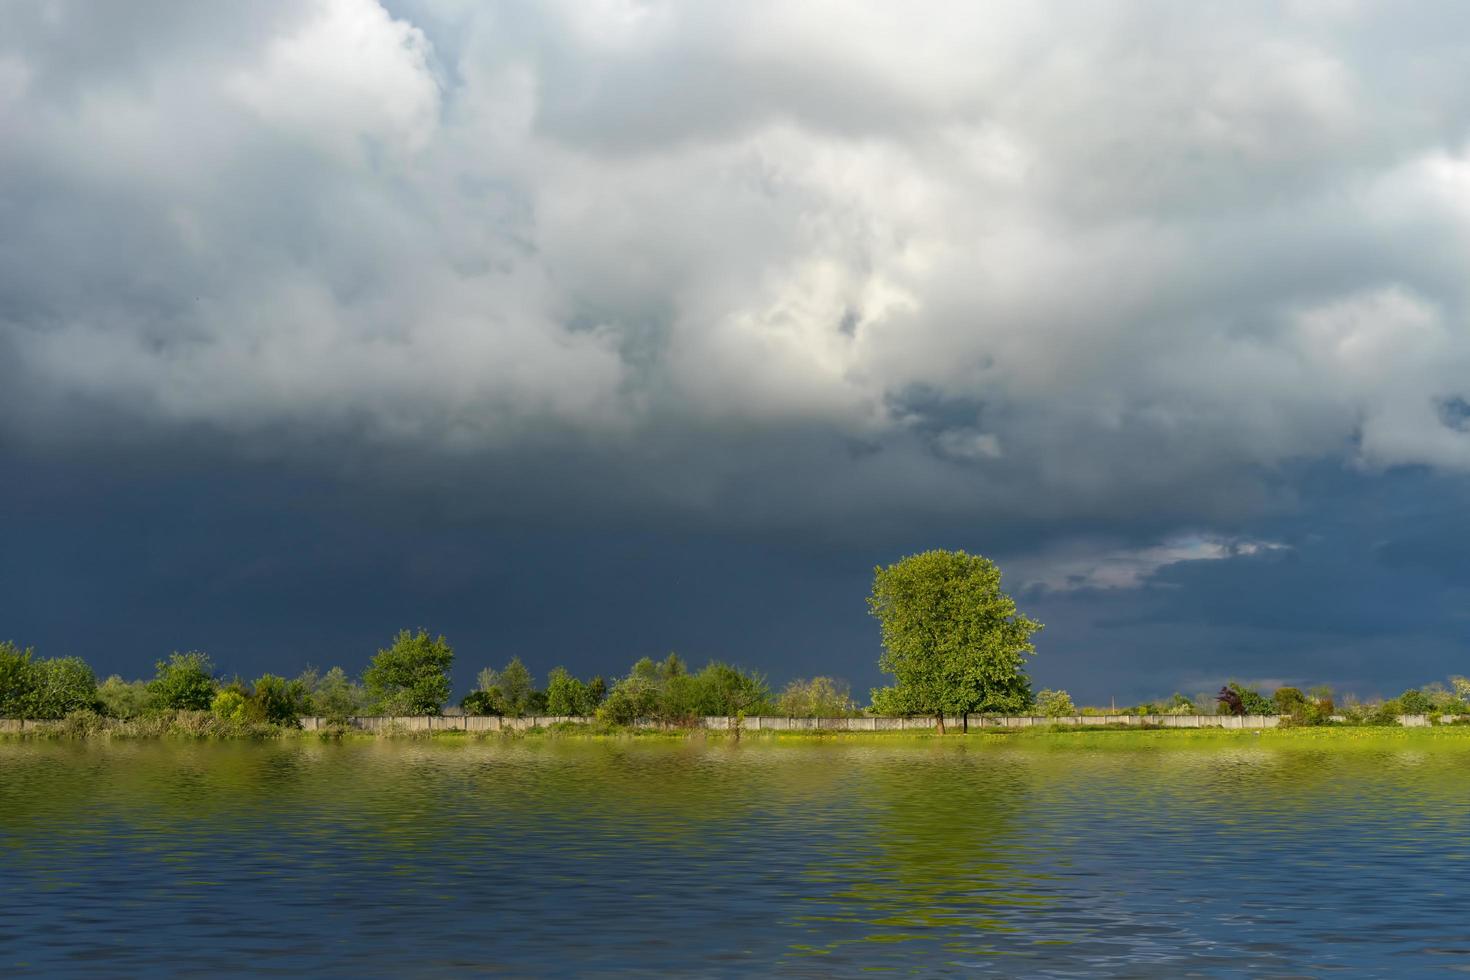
796, 858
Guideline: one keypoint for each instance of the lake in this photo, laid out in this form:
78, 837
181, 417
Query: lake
1056, 856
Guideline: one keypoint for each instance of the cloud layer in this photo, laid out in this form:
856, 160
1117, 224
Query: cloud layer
1043, 260
1086, 286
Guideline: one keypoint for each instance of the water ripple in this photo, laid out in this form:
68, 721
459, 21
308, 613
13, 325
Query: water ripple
708, 859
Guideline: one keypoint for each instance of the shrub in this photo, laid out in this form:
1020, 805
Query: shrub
63, 685
43, 689
308, 681
1441, 699
666, 692
888, 702
678, 696
118, 698
1414, 702
156, 724
1203, 704
1300, 709
640, 695
1252, 701
1386, 713
1353, 710
516, 688
230, 705
510, 691
197, 724
1055, 704
633, 697
620, 707
83, 723
335, 697
820, 697
279, 701
725, 690
183, 682
566, 695
1177, 705
17, 680
1289, 701
481, 703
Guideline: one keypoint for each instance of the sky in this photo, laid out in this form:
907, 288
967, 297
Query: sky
586, 330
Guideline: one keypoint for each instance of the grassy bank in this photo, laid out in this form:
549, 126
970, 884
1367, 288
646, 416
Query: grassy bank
1343, 736
204, 725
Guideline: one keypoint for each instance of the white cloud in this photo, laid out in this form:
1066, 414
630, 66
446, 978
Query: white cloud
346, 73
1130, 568
1129, 255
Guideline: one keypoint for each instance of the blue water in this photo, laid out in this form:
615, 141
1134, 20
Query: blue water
704, 859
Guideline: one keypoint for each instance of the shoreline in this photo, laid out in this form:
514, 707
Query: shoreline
203, 727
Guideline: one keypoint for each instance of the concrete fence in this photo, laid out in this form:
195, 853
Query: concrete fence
474, 723
767, 723
976, 722
443, 723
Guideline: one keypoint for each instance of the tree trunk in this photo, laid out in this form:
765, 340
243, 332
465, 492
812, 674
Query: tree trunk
940, 719
965, 722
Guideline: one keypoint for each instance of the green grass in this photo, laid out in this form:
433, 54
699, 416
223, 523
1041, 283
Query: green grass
1346, 736
199, 725
1343, 735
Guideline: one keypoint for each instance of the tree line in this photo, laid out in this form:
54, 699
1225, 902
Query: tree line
411, 676
1317, 705
952, 639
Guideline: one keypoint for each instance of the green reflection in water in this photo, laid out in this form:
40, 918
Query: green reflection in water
934, 854
864, 852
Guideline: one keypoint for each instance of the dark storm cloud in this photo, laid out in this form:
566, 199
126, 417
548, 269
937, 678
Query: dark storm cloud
1087, 287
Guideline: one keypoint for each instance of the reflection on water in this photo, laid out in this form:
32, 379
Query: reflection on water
798, 858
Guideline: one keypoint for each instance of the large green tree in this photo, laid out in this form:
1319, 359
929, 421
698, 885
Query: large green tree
411, 677
953, 641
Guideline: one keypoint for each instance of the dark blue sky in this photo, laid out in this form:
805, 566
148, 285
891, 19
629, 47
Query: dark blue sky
121, 560
583, 332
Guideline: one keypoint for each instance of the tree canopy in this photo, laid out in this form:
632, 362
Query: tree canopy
566, 695
1055, 704
411, 677
51, 688
819, 697
953, 641
666, 692
185, 681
